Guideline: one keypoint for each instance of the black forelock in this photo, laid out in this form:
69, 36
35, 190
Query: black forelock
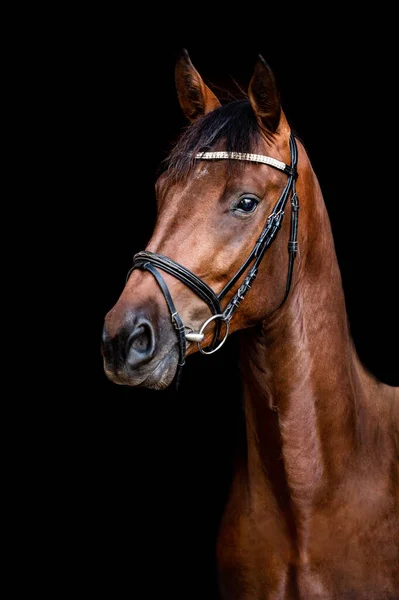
235, 124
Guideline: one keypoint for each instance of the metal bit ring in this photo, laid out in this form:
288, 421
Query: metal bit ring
204, 326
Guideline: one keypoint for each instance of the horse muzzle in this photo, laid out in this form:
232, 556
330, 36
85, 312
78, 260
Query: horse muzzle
135, 356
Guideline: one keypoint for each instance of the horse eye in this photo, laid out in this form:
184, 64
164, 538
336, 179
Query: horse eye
246, 205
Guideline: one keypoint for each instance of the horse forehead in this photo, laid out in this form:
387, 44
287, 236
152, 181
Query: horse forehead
204, 181
202, 171
220, 175
212, 180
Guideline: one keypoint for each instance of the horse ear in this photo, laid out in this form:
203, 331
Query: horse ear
196, 99
264, 96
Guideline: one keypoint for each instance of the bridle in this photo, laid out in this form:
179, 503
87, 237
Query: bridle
150, 261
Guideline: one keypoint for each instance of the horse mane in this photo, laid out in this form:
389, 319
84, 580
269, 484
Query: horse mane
234, 123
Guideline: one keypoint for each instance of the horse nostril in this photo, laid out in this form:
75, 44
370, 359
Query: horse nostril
140, 346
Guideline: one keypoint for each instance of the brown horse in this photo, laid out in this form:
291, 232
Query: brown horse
313, 511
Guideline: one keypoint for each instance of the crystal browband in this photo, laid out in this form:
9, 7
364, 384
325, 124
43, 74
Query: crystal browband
258, 158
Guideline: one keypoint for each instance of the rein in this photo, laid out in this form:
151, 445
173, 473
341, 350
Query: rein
150, 261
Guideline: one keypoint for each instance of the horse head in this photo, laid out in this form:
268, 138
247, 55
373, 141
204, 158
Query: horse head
219, 209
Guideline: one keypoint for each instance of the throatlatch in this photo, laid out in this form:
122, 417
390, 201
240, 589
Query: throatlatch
149, 261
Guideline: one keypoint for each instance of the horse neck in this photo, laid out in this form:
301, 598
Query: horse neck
302, 381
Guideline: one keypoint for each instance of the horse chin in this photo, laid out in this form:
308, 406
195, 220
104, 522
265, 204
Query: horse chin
157, 375
162, 375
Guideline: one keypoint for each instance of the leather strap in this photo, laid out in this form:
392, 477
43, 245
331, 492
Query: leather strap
176, 319
184, 275
268, 235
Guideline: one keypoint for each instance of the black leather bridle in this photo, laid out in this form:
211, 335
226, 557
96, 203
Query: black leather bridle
149, 261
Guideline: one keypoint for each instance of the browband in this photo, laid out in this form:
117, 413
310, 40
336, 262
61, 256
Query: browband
258, 158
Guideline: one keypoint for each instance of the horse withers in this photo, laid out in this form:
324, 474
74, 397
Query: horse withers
243, 242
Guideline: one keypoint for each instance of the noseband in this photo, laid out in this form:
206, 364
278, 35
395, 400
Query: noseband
149, 261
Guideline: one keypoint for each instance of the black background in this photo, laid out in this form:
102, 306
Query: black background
147, 473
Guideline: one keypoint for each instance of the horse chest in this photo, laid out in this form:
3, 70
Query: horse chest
258, 558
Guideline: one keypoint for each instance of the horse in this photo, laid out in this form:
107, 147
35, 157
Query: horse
313, 508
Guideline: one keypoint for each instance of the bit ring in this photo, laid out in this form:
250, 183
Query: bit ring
205, 325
